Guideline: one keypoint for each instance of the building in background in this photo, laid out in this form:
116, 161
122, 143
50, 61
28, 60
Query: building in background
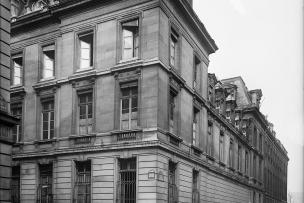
7, 122
117, 105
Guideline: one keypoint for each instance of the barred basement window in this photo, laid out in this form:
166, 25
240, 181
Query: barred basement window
129, 106
126, 185
82, 187
48, 61
172, 188
16, 110
130, 39
85, 106
17, 69
85, 48
45, 194
210, 139
195, 187
47, 119
15, 184
221, 147
195, 127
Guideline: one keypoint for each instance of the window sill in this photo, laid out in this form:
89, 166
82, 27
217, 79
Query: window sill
231, 168
46, 79
222, 163
129, 60
210, 157
45, 141
17, 144
16, 86
240, 173
196, 150
80, 70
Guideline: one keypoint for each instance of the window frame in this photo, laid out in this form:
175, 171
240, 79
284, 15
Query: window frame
85, 164
82, 33
196, 125
221, 146
174, 38
129, 85
18, 104
195, 186
42, 64
210, 147
196, 72
89, 121
50, 181
49, 113
14, 57
121, 39
231, 153
173, 128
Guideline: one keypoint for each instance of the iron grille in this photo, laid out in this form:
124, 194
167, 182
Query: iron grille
172, 189
44, 190
126, 186
82, 188
15, 193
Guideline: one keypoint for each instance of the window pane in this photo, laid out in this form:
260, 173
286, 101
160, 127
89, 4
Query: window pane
82, 112
130, 39
48, 63
89, 110
82, 130
125, 125
86, 50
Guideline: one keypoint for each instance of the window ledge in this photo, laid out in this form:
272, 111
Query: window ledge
46, 79
222, 163
17, 144
240, 173
45, 141
126, 131
196, 150
210, 157
84, 69
231, 168
129, 60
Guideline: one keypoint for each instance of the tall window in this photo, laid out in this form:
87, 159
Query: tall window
15, 184
221, 147
210, 139
126, 186
172, 110
47, 119
16, 110
45, 194
246, 162
172, 189
255, 135
129, 106
196, 72
130, 39
85, 44
254, 167
260, 170
195, 187
231, 153
261, 143
195, 127
82, 187
17, 69
239, 158
85, 105
173, 47
48, 61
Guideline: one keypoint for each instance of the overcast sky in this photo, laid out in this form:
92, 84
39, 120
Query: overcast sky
261, 40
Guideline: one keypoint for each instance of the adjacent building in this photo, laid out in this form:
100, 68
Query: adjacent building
7, 122
116, 105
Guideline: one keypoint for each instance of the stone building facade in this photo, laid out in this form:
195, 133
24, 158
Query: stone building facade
113, 98
7, 122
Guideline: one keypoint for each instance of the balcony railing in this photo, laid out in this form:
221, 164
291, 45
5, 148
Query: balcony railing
127, 136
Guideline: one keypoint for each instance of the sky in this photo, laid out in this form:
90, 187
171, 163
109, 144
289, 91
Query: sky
262, 41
